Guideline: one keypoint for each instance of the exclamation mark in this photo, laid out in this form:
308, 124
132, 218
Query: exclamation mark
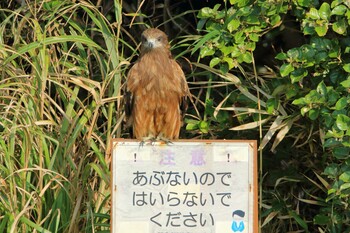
228, 157
134, 157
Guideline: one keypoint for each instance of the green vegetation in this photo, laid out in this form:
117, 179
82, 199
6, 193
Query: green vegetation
60, 88
306, 105
274, 71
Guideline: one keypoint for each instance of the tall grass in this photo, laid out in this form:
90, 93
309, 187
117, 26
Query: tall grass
60, 78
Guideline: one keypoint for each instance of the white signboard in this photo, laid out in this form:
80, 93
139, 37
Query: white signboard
185, 187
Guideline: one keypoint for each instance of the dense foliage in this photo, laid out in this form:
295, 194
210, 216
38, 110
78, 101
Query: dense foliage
307, 102
275, 71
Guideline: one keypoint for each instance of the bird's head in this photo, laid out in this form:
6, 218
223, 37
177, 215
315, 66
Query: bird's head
153, 38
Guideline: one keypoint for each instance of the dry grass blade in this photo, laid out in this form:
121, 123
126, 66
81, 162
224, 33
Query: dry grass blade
283, 132
269, 218
244, 110
250, 125
276, 125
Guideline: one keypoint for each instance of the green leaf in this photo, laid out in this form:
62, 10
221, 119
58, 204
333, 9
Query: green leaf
286, 69
320, 56
233, 25
253, 19
336, 75
281, 56
271, 105
298, 74
275, 19
214, 61
343, 122
227, 50
331, 170
321, 43
245, 11
291, 93
322, 29
339, 10
209, 109
328, 120
322, 88
220, 15
325, 11
236, 52
340, 26
308, 30
346, 83
247, 57
300, 101
229, 61
304, 110
341, 152
336, 3
206, 51
344, 186
341, 103
205, 12
332, 96
313, 97
201, 24
346, 67
224, 68
239, 37
305, 3
191, 124
345, 177
250, 46
294, 53
240, 3
314, 113
313, 14
335, 133
216, 7
299, 220
321, 219
254, 37
204, 126
307, 52
331, 142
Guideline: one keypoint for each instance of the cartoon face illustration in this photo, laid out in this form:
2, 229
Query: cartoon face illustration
237, 223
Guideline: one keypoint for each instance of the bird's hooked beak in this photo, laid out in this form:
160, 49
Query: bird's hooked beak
149, 43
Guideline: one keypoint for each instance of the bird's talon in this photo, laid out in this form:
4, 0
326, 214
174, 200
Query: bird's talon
153, 141
166, 141
142, 143
150, 140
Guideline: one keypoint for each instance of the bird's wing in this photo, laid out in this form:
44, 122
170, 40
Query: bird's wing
129, 103
184, 87
131, 85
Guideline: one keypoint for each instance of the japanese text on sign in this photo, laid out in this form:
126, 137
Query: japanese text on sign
184, 187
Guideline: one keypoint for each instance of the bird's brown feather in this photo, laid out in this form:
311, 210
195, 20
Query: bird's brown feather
158, 86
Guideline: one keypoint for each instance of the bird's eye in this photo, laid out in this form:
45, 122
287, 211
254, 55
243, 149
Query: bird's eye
159, 38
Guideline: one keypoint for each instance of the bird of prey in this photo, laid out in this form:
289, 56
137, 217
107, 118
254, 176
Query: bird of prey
156, 90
